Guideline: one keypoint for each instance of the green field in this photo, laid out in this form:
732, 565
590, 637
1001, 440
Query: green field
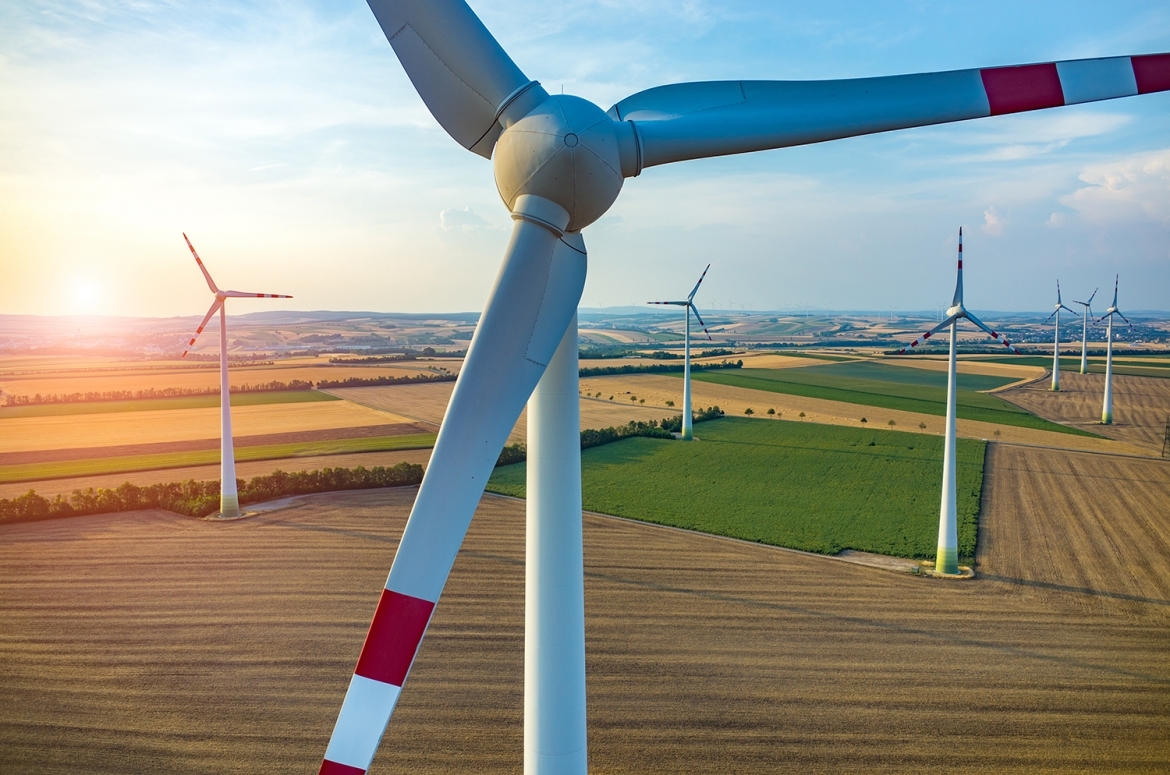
890, 387
1130, 366
31, 472
821, 488
157, 404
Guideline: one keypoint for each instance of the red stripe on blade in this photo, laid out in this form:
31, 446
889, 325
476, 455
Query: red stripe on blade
333, 768
1016, 89
394, 636
1152, 72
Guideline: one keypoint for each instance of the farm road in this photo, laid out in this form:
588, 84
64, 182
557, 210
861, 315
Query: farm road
1141, 406
148, 642
1082, 532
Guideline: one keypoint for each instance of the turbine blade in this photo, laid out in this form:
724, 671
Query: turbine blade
675, 303
1123, 317
528, 310
716, 118
246, 295
1050, 317
696, 288
994, 335
1116, 279
958, 297
696, 311
1090, 301
462, 74
215, 305
202, 268
928, 334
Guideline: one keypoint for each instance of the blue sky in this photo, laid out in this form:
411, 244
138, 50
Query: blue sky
287, 142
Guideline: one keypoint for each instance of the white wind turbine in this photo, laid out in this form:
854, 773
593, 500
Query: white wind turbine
1056, 339
947, 560
1107, 405
229, 499
1088, 313
559, 163
689, 305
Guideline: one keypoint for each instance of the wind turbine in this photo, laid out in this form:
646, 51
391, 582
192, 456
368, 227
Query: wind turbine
947, 560
1056, 340
559, 163
689, 306
229, 499
1088, 313
1107, 406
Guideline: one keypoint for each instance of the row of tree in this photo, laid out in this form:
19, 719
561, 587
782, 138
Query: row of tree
198, 499
379, 381
150, 393
655, 368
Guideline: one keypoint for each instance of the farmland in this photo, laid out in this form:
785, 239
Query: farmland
164, 404
811, 487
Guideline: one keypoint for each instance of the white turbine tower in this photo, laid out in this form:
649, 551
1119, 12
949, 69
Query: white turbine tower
689, 305
1088, 313
1107, 405
229, 499
559, 163
947, 560
1056, 339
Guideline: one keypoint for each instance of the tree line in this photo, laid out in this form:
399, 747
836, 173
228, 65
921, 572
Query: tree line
655, 368
150, 393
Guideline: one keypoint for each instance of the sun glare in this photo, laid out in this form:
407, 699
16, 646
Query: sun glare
85, 296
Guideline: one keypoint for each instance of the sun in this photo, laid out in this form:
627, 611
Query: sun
85, 296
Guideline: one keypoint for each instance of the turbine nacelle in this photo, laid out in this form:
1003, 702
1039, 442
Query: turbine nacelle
957, 311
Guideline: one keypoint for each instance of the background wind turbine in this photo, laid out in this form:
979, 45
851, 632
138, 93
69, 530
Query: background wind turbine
559, 163
689, 305
1056, 339
1088, 313
947, 559
229, 499
1107, 405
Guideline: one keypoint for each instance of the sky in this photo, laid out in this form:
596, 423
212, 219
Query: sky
284, 138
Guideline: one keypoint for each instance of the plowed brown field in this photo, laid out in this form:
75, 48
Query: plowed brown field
1141, 406
151, 643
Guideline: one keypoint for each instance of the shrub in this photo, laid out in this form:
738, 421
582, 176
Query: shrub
748, 411
771, 411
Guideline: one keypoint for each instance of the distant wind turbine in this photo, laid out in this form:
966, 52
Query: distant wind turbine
689, 304
1088, 313
229, 499
1056, 339
947, 560
1107, 406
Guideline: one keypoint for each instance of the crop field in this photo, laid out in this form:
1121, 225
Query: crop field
1141, 406
151, 643
24, 434
1131, 366
876, 384
803, 486
163, 404
1013, 369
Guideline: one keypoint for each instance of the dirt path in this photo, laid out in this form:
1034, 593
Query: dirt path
1141, 406
1082, 531
152, 643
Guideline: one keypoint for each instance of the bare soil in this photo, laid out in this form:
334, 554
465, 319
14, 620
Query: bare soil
151, 643
1141, 406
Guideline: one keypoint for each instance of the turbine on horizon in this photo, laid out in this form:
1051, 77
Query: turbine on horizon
559, 163
689, 305
947, 559
1107, 404
1088, 313
1056, 339
229, 499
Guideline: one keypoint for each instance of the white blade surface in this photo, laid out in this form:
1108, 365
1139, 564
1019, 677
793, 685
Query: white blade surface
462, 74
715, 118
945, 324
527, 313
696, 288
249, 295
202, 268
215, 305
994, 334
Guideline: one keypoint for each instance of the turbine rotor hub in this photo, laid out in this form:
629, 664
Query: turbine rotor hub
564, 150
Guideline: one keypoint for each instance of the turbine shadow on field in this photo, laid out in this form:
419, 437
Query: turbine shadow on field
1072, 589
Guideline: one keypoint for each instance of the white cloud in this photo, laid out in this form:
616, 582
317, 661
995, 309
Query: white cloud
1135, 188
1057, 220
454, 219
993, 222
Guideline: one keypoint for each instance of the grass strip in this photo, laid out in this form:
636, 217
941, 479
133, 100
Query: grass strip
160, 404
1129, 366
32, 472
820, 488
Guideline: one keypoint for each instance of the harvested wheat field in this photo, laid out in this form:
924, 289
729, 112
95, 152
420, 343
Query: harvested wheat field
1141, 406
147, 642
1086, 531
657, 389
974, 366
26, 434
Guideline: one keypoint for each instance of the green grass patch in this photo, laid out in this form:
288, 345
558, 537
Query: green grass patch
31, 472
156, 404
1128, 366
891, 387
820, 488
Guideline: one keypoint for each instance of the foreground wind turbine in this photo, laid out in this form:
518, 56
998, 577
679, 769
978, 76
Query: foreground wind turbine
1056, 339
229, 499
689, 304
1107, 406
559, 163
1088, 313
947, 560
